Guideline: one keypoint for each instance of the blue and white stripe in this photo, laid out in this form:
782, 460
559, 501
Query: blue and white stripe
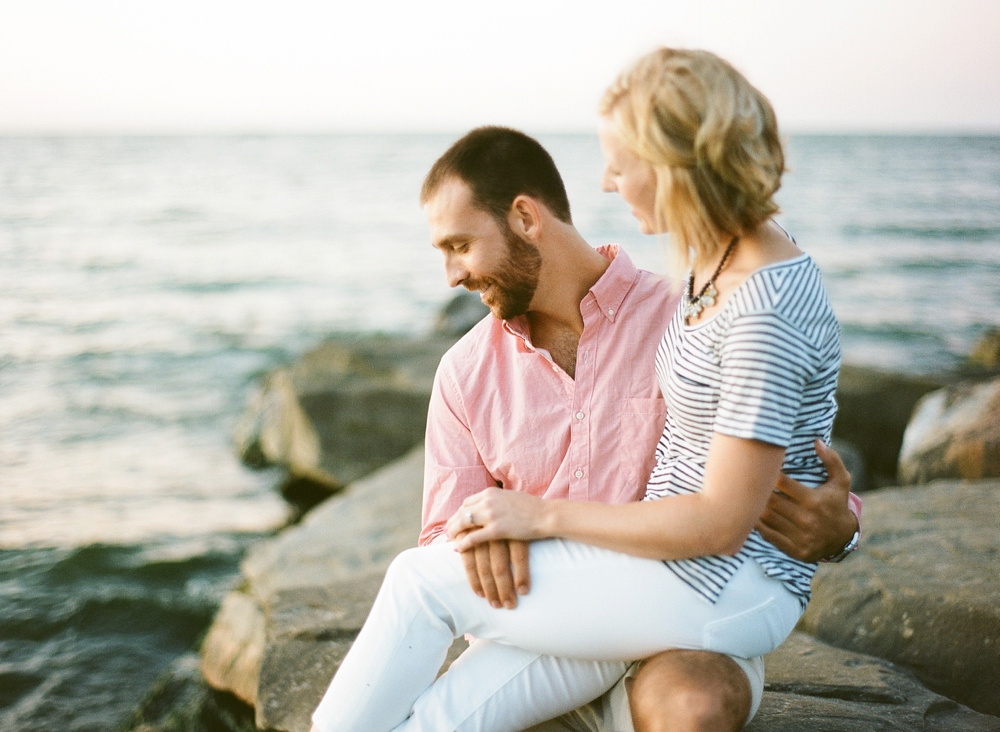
764, 368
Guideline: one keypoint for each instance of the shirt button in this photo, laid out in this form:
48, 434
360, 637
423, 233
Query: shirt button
611, 311
578, 473
579, 415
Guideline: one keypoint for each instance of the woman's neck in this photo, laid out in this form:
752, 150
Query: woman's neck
766, 244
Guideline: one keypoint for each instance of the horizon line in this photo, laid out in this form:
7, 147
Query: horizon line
355, 132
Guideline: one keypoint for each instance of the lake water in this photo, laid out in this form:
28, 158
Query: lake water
145, 282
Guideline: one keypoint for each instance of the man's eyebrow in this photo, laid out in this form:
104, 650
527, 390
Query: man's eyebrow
449, 242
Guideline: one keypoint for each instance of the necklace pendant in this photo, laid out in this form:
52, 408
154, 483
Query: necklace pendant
708, 299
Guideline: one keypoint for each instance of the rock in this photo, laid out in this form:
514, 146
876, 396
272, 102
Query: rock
181, 701
342, 410
854, 461
874, 408
461, 313
348, 407
923, 590
813, 687
986, 353
277, 642
236, 639
954, 433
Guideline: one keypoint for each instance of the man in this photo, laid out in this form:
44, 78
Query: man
556, 395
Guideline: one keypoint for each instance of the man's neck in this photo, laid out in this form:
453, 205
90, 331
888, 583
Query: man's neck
570, 268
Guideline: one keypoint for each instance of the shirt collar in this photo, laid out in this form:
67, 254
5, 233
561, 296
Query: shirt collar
615, 283
608, 292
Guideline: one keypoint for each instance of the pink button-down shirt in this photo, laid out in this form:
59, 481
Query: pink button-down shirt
503, 413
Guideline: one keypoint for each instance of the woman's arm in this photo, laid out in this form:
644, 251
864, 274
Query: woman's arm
739, 477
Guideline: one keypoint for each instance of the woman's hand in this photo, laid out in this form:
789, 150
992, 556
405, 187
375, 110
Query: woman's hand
497, 514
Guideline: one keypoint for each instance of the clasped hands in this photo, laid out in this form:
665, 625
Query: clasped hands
492, 529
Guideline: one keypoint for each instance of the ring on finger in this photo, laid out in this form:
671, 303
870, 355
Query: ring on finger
469, 518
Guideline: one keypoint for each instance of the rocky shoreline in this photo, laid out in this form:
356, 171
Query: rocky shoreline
904, 635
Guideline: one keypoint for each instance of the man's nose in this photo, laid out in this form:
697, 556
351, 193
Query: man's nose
454, 272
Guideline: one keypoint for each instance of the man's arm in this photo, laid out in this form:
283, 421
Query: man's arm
453, 467
812, 524
454, 470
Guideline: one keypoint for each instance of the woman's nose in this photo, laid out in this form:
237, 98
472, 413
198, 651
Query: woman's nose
608, 182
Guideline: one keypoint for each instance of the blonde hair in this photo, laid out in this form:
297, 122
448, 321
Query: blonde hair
712, 141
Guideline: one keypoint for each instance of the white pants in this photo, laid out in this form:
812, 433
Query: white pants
586, 603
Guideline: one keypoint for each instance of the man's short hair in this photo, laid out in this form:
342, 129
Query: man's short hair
499, 164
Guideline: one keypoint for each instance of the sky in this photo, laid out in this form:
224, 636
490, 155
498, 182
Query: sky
304, 66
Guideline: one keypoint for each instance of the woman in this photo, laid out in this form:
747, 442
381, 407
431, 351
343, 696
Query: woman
748, 368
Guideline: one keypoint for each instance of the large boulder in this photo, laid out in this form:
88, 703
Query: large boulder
954, 433
813, 687
347, 407
181, 701
985, 354
923, 590
874, 408
277, 641
342, 410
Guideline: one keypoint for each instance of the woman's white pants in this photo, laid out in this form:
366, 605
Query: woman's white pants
589, 613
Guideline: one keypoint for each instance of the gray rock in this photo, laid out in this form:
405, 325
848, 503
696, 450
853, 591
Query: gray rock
854, 461
277, 641
461, 313
923, 590
985, 353
874, 409
342, 410
814, 687
348, 407
181, 701
232, 649
954, 433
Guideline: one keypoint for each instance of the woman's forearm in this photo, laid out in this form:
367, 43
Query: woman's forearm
739, 477
675, 527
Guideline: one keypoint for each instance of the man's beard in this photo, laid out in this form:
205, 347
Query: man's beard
515, 280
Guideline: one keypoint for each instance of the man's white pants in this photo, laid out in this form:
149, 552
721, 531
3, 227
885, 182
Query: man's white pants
600, 607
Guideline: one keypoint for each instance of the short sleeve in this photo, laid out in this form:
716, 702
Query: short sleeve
765, 364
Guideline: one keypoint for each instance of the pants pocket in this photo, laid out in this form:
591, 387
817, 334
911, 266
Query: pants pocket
750, 633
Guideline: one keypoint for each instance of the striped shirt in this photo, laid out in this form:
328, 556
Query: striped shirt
764, 368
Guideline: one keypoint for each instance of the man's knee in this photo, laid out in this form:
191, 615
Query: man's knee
690, 691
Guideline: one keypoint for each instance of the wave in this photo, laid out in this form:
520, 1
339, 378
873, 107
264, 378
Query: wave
84, 632
207, 288
951, 231
891, 331
101, 588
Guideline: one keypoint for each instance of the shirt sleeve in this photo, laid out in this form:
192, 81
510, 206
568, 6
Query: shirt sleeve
453, 466
854, 505
765, 364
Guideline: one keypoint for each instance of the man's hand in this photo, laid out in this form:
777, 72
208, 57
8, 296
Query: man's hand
498, 571
810, 524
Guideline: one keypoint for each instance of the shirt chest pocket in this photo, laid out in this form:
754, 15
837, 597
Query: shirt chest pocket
641, 427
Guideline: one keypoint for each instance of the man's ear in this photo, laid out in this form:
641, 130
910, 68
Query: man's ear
525, 218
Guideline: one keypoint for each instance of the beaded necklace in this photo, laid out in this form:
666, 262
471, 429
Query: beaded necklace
706, 298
